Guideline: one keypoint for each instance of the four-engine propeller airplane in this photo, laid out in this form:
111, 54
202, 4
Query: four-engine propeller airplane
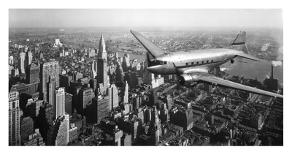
197, 65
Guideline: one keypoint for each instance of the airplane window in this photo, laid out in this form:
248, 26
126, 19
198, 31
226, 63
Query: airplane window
158, 62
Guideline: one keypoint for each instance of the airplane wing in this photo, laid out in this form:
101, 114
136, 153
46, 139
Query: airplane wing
247, 56
148, 45
226, 83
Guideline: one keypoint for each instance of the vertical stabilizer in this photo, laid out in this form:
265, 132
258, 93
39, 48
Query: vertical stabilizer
239, 41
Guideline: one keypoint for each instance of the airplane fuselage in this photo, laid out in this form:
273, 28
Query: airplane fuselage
202, 60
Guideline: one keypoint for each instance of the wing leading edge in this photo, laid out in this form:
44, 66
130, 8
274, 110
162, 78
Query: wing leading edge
148, 45
219, 81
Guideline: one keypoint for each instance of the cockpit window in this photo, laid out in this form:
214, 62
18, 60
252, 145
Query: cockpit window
158, 62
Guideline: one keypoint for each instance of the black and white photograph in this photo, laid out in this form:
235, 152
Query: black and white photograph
145, 77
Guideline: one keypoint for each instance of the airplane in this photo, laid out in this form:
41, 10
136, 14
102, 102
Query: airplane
198, 65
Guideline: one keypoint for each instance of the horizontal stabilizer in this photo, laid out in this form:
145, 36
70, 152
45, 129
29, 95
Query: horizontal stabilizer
240, 38
239, 42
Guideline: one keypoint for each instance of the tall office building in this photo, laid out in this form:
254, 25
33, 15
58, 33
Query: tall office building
49, 70
126, 93
94, 69
21, 62
33, 73
85, 98
68, 103
14, 119
113, 96
102, 68
28, 58
60, 102
51, 92
126, 62
91, 111
102, 54
103, 108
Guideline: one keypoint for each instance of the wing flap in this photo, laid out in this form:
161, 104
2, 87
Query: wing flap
148, 45
219, 81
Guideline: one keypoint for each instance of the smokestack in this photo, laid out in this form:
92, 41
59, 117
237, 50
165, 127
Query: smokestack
272, 72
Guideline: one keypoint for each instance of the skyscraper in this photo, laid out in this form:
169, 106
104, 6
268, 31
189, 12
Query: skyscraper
14, 119
113, 96
102, 107
102, 54
68, 103
28, 58
126, 62
102, 68
126, 93
33, 73
49, 70
60, 102
94, 69
21, 62
85, 98
51, 92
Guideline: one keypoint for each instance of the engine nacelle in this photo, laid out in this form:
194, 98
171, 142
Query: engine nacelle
188, 79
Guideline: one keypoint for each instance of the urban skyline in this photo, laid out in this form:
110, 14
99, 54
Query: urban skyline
94, 89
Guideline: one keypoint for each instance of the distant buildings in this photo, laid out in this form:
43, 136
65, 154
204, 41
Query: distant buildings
57, 43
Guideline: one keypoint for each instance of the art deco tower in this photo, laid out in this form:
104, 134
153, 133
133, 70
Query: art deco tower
102, 68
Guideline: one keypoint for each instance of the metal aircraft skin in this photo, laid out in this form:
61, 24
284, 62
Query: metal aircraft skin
197, 65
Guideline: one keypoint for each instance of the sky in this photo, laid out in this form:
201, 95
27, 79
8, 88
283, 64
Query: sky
59, 18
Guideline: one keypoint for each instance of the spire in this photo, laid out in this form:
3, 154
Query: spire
102, 52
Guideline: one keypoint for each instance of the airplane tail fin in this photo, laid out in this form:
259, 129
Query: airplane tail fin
239, 42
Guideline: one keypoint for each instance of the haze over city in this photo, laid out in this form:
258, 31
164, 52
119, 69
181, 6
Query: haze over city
32, 18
